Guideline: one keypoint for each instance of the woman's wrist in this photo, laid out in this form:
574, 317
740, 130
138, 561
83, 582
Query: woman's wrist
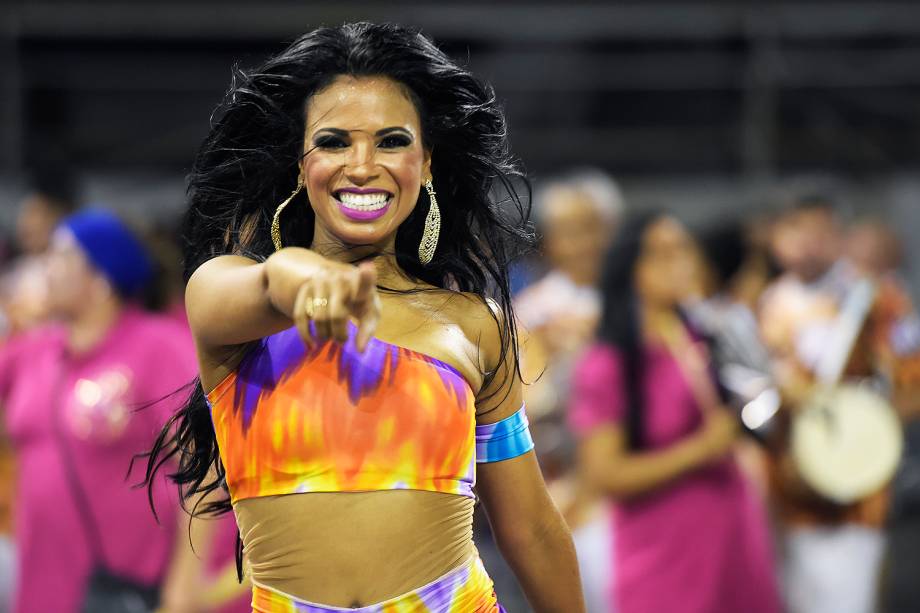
285, 271
695, 451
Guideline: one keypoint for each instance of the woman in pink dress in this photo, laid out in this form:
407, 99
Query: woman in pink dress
79, 400
691, 535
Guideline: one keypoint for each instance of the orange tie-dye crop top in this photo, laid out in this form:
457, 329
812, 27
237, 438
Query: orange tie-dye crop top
291, 419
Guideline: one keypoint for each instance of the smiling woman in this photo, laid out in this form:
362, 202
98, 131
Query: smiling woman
352, 461
368, 172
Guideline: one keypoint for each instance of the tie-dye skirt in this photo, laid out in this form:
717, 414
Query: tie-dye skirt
466, 589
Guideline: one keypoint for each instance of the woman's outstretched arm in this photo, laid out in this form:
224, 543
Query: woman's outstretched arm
232, 300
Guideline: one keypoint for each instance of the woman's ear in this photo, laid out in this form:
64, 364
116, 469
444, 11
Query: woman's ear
426, 165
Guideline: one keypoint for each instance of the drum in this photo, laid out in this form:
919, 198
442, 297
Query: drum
846, 442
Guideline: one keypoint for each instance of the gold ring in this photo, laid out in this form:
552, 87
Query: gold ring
315, 304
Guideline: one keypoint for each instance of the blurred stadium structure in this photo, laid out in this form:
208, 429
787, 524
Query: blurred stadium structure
698, 105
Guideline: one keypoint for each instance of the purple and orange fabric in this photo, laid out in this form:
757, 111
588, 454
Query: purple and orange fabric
293, 419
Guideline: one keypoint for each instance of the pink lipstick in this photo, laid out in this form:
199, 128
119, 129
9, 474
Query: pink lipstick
363, 204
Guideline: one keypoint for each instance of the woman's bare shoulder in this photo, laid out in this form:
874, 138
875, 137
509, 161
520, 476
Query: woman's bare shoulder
481, 321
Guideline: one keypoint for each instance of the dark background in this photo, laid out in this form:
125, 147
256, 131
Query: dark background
638, 87
705, 107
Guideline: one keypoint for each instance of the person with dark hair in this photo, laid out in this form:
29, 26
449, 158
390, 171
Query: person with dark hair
690, 535
724, 317
51, 195
725, 250
356, 340
71, 393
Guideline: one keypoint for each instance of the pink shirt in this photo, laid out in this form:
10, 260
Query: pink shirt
96, 396
699, 545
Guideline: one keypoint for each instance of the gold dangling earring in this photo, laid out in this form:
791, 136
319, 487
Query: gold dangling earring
429, 242
276, 220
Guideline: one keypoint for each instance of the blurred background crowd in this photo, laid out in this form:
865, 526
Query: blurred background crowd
717, 329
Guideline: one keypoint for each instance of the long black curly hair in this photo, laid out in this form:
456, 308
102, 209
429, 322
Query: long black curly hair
248, 164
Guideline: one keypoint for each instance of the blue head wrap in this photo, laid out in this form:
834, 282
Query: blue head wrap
112, 249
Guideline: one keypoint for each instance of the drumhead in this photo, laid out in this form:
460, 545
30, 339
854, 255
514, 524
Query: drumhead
847, 443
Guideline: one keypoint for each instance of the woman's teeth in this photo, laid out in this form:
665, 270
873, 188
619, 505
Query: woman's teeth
363, 202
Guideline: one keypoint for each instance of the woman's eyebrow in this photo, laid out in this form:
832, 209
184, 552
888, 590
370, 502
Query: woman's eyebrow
381, 132
386, 131
336, 131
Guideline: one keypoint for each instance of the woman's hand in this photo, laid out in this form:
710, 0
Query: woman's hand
718, 435
332, 295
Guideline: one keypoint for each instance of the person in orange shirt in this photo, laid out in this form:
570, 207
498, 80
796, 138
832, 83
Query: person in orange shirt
833, 552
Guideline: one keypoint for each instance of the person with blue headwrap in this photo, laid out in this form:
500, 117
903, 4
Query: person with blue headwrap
111, 248
81, 397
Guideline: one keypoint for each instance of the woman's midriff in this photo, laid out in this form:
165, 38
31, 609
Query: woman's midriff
353, 549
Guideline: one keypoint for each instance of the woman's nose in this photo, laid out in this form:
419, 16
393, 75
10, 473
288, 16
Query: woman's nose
360, 161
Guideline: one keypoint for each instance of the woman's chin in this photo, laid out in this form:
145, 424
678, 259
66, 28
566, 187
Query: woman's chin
362, 233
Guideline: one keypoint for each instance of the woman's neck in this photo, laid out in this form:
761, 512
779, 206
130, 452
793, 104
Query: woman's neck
91, 326
389, 273
658, 322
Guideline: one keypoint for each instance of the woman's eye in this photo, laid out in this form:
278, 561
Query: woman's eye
395, 140
330, 142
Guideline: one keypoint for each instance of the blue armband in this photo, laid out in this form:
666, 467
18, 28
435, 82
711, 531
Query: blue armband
504, 439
